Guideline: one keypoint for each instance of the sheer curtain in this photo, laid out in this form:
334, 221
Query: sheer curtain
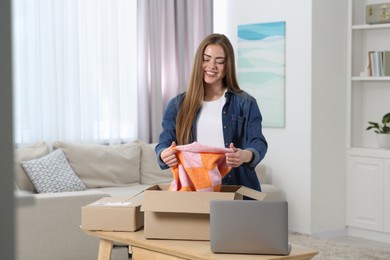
101, 71
169, 32
74, 71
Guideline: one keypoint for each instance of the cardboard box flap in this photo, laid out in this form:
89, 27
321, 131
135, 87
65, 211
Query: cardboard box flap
118, 201
181, 202
164, 186
253, 194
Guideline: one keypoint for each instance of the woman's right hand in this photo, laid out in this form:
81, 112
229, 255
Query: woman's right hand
168, 155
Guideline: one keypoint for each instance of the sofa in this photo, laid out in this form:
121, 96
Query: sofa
79, 174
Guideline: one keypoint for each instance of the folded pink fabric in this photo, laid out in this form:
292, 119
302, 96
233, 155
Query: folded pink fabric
200, 168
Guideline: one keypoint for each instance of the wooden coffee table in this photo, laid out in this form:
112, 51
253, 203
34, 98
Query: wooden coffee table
143, 248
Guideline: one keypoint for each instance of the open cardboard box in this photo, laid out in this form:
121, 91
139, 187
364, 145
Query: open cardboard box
113, 214
185, 215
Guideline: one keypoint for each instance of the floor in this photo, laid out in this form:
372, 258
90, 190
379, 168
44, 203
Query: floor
363, 242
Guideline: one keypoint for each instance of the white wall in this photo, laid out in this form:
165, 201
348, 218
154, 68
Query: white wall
329, 63
294, 157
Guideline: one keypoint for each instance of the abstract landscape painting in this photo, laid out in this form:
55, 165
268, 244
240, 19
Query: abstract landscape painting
261, 68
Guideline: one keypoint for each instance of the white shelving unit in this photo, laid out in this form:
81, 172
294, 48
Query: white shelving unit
368, 99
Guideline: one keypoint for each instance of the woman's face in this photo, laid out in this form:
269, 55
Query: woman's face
213, 64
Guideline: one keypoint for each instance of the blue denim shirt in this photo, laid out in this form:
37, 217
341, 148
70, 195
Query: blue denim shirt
241, 120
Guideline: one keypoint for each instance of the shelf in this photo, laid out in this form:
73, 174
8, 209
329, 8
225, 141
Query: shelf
370, 78
367, 96
368, 171
371, 26
369, 152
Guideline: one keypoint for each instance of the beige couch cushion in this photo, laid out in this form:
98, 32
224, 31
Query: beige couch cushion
103, 165
261, 173
26, 153
151, 172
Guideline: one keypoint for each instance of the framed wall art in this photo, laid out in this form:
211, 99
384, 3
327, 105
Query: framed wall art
261, 68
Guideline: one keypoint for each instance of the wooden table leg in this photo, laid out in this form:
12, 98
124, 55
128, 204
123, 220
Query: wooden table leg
105, 249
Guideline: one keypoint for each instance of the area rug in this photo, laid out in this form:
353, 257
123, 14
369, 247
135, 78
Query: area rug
336, 250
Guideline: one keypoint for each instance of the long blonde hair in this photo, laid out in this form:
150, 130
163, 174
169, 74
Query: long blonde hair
195, 91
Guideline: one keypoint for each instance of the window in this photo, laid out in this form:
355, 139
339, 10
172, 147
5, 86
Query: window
75, 70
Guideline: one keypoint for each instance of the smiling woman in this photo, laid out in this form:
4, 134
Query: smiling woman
214, 111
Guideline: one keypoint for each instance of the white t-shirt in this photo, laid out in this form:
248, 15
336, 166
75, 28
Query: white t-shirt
209, 128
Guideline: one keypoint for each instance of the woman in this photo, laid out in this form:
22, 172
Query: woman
214, 111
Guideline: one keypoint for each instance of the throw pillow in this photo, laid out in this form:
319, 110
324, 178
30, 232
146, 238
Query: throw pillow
103, 165
151, 172
26, 153
52, 173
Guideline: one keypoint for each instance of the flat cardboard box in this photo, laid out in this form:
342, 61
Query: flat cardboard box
185, 215
113, 214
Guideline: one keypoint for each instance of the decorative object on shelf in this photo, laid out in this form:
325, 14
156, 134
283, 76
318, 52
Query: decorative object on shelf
378, 13
379, 63
383, 140
366, 71
383, 131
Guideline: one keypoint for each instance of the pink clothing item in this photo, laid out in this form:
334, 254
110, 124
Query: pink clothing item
200, 168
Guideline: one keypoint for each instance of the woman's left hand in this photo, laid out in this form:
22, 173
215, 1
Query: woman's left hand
238, 156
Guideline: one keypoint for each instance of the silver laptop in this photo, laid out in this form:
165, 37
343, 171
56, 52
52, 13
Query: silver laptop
249, 227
